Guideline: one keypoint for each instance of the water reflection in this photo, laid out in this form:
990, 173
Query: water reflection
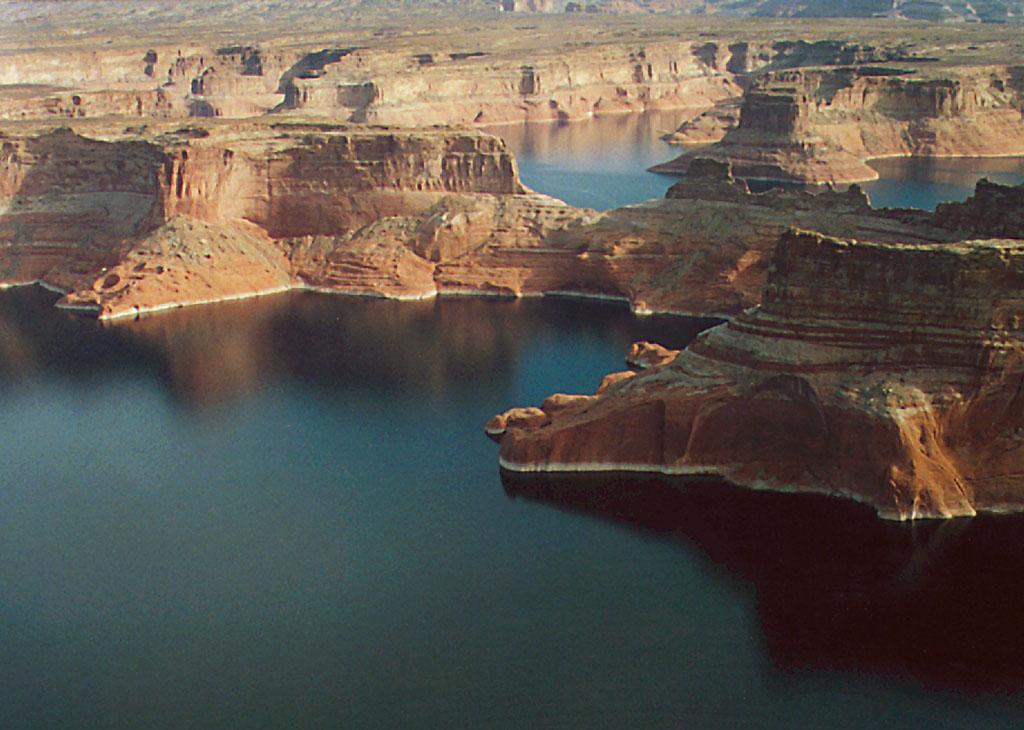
212, 354
283, 513
599, 162
838, 589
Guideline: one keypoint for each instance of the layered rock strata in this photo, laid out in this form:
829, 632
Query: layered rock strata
196, 214
441, 78
888, 373
401, 214
393, 84
478, 87
821, 126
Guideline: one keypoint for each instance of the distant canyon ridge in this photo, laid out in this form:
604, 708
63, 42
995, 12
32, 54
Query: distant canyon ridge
807, 108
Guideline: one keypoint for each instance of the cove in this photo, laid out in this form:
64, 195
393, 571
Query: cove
284, 513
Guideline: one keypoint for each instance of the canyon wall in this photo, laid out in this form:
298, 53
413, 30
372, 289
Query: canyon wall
434, 81
481, 87
358, 84
888, 373
403, 214
195, 214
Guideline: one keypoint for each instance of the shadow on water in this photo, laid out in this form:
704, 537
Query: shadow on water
260, 567
837, 588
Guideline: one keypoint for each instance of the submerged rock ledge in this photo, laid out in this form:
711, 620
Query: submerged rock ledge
891, 374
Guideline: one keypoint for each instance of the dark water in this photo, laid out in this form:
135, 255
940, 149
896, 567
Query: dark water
283, 513
602, 163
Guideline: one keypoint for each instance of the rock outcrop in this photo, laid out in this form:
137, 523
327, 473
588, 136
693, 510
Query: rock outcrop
821, 126
888, 373
643, 355
993, 210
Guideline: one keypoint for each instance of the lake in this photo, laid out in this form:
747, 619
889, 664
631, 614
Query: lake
602, 163
599, 162
284, 513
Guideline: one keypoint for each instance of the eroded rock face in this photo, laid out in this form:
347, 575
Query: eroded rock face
643, 355
887, 373
821, 126
478, 87
993, 210
198, 214
444, 78
397, 84
400, 214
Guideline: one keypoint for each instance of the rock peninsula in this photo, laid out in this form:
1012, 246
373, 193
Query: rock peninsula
887, 373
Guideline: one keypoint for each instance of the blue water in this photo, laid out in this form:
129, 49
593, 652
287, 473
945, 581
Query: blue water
284, 513
598, 163
924, 183
602, 163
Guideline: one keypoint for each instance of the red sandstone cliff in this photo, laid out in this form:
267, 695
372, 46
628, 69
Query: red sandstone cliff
886, 373
205, 213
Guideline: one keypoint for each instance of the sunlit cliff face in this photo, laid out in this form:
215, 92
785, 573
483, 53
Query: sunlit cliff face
888, 373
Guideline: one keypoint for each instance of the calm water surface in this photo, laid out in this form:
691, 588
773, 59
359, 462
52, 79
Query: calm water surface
924, 183
602, 163
596, 163
283, 513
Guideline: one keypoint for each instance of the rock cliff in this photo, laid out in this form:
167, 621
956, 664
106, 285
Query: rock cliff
821, 126
564, 72
193, 214
483, 87
888, 373
128, 222
437, 81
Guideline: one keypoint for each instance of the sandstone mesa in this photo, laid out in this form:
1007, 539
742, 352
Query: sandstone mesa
822, 126
141, 221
